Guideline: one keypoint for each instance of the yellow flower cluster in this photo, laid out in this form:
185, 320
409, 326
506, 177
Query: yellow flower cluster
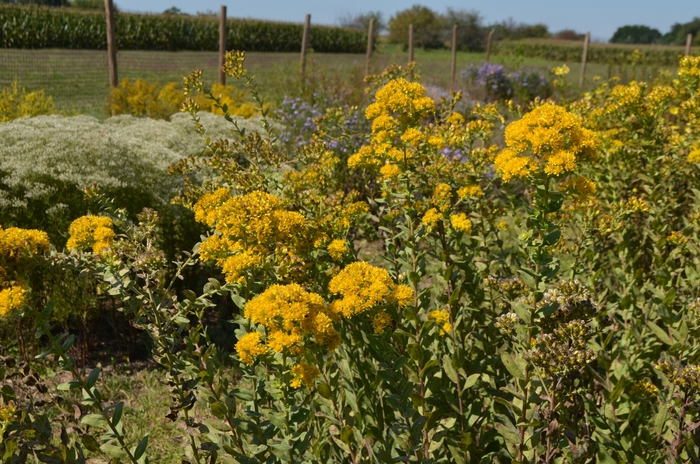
548, 139
694, 156
250, 346
560, 71
381, 321
290, 315
18, 243
687, 378
337, 249
16, 247
406, 100
431, 218
461, 223
398, 109
473, 191
304, 373
249, 228
579, 187
442, 197
91, 232
689, 72
363, 287
146, 98
441, 317
12, 299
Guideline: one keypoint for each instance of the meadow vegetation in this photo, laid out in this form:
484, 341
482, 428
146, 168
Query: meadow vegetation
409, 275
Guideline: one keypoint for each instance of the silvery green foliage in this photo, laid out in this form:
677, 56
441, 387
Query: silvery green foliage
46, 161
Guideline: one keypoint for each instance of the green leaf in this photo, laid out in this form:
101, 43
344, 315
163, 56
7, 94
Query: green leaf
92, 378
512, 367
141, 447
324, 390
528, 278
508, 434
68, 385
471, 381
660, 333
118, 410
90, 443
114, 451
522, 310
242, 394
218, 409
95, 420
449, 369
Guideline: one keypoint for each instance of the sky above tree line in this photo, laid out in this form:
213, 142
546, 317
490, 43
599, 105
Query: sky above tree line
600, 17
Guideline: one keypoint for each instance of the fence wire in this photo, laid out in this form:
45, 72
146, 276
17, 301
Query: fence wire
78, 80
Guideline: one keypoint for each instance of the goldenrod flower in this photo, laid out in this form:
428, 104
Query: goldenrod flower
548, 139
403, 294
337, 249
95, 232
461, 223
442, 197
441, 317
362, 288
249, 347
304, 373
470, 191
22, 243
12, 299
381, 321
431, 219
249, 229
560, 71
579, 187
389, 171
694, 156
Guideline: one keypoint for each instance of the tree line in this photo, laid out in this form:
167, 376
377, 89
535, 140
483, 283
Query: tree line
640, 34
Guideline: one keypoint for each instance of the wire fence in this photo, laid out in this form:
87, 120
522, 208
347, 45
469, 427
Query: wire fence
78, 80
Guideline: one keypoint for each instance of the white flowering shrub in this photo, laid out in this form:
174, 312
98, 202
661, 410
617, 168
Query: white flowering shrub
46, 162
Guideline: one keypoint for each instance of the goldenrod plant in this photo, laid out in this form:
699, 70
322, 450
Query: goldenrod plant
510, 283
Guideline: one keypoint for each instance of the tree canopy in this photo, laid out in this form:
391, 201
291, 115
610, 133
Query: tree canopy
636, 34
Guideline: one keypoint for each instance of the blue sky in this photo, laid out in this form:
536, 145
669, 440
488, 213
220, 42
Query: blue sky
600, 17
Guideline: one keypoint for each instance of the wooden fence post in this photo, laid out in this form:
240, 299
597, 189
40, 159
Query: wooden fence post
111, 44
585, 57
688, 42
222, 45
305, 43
453, 68
410, 43
488, 45
370, 43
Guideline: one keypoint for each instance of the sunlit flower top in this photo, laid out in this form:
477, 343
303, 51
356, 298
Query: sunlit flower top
16, 247
547, 140
12, 299
396, 114
18, 243
249, 228
91, 232
364, 287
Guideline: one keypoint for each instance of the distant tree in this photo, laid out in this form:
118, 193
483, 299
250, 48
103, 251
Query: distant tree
636, 34
471, 33
510, 30
679, 32
569, 34
173, 10
361, 21
428, 27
